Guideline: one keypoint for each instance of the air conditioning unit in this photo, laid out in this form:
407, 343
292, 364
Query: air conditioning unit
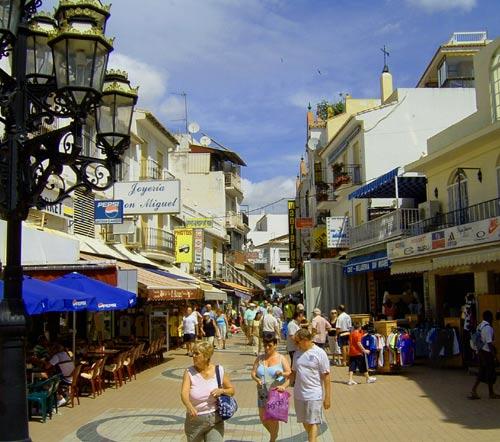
429, 209
133, 239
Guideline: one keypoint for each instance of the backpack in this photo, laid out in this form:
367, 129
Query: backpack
476, 341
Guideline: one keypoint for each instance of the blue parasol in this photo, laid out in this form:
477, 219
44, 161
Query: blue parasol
42, 297
104, 296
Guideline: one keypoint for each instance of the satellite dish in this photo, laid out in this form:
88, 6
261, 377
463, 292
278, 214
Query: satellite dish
193, 127
205, 141
312, 143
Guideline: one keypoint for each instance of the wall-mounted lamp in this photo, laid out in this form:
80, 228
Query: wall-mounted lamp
436, 192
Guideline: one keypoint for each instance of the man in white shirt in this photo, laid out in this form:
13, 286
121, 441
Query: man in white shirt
487, 357
190, 329
312, 389
344, 326
321, 325
292, 328
270, 324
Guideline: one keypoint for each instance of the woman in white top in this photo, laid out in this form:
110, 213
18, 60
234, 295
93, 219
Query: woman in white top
199, 392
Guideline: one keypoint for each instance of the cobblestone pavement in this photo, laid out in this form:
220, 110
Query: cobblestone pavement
419, 404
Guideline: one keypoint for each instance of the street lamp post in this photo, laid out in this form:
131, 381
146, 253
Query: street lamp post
58, 70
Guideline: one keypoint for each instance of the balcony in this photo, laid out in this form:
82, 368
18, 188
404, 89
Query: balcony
235, 221
470, 214
157, 240
395, 224
152, 170
232, 183
346, 174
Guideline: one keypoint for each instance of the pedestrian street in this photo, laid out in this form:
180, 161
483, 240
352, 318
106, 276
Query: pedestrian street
420, 404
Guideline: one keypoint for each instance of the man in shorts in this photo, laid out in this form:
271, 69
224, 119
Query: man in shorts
357, 356
189, 328
343, 325
311, 375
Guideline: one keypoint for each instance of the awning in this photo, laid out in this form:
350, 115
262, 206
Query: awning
385, 187
236, 286
367, 263
156, 287
410, 266
291, 289
479, 257
212, 293
252, 279
242, 296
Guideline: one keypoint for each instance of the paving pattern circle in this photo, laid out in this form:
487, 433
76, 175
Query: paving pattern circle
155, 425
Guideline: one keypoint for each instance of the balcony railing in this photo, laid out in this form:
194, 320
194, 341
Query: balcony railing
152, 170
470, 214
232, 180
157, 240
348, 174
397, 223
235, 221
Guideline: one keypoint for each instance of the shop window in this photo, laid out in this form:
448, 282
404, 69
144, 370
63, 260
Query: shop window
495, 85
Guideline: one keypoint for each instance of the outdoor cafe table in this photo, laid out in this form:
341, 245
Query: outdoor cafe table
100, 353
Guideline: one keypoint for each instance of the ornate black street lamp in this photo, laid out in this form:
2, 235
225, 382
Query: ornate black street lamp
58, 70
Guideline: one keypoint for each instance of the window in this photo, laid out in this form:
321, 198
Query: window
495, 85
284, 255
458, 199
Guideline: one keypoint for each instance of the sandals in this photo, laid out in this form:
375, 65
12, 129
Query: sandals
473, 396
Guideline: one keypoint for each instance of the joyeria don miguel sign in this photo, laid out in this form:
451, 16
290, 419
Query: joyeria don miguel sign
142, 197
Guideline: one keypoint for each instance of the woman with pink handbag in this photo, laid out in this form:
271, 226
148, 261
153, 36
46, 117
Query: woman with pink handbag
270, 371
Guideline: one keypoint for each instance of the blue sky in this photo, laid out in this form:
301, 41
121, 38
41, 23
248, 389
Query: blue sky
250, 67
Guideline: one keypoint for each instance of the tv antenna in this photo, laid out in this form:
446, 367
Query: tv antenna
185, 119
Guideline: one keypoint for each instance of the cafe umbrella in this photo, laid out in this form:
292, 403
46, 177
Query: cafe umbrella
43, 297
105, 297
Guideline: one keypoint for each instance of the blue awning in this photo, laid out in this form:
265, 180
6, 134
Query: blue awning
367, 263
385, 187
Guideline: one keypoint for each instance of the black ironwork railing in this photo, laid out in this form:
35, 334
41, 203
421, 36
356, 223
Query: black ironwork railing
158, 239
469, 214
151, 170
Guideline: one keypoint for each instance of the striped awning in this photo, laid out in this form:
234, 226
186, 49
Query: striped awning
385, 187
479, 257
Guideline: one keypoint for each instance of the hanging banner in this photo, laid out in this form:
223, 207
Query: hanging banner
319, 239
183, 245
198, 249
337, 231
292, 238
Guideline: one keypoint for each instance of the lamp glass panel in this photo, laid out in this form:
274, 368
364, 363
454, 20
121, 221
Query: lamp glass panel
10, 11
60, 63
39, 59
114, 117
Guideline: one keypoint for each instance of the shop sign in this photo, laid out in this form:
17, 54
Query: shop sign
198, 249
319, 239
292, 234
367, 266
337, 232
199, 223
61, 210
256, 257
172, 294
464, 235
142, 197
304, 223
183, 245
108, 212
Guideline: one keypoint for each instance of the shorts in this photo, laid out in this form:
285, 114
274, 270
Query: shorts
206, 427
358, 362
343, 340
222, 331
189, 337
309, 412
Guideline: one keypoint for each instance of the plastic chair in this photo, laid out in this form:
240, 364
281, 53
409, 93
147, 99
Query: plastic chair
74, 389
91, 377
115, 370
43, 395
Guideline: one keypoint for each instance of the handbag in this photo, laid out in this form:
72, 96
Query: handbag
226, 405
277, 405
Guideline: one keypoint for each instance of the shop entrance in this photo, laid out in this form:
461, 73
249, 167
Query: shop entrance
450, 293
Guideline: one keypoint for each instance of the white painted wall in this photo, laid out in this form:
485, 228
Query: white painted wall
277, 225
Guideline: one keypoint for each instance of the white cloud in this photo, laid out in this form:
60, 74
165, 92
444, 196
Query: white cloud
261, 193
173, 108
151, 80
444, 5
389, 28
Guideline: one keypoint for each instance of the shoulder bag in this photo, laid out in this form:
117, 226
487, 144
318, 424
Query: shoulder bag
226, 405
